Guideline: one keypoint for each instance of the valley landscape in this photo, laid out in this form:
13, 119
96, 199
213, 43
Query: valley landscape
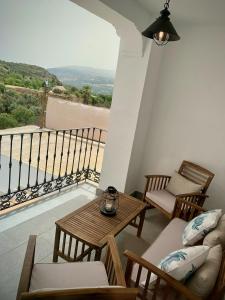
21, 89
101, 81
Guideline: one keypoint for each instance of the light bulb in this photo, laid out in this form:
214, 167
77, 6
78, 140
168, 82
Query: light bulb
161, 38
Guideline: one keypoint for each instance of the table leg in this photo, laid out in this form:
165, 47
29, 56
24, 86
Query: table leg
98, 253
141, 222
56, 244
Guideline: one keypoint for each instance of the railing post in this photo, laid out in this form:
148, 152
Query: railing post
20, 161
30, 159
85, 154
99, 140
54, 156
46, 157
10, 163
61, 155
74, 152
68, 153
92, 140
81, 142
38, 157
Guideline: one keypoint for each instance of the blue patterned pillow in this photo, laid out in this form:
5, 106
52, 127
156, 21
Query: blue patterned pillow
181, 264
198, 228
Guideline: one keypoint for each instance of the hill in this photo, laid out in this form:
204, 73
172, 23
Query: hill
25, 75
101, 81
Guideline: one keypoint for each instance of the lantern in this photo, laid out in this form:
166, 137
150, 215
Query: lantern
109, 202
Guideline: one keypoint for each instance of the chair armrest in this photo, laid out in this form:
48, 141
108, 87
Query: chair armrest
186, 209
113, 264
155, 182
197, 195
196, 198
28, 263
172, 283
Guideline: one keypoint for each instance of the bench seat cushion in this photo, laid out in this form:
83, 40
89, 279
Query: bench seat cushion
163, 199
168, 241
68, 275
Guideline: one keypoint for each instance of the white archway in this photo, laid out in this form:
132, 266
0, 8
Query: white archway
122, 156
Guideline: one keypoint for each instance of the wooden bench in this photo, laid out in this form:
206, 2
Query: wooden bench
172, 289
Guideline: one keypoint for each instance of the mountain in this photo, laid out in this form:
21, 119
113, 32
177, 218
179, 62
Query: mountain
25, 75
100, 80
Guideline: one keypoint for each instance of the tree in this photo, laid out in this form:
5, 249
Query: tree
86, 93
73, 89
7, 121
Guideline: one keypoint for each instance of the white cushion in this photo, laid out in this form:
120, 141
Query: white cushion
169, 240
197, 228
204, 279
162, 198
217, 235
178, 185
181, 264
68, 275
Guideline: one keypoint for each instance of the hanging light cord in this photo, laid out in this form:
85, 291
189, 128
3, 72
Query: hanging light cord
167, 4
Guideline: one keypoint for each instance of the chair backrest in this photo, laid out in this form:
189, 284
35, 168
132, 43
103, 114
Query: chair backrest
196, 174
83, 294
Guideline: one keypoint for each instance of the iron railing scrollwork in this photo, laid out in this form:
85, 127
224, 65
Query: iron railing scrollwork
37, 163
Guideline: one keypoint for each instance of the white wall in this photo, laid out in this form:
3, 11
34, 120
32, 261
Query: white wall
144, 117
188, 114
127, 97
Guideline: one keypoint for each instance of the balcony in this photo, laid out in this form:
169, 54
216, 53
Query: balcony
47, 174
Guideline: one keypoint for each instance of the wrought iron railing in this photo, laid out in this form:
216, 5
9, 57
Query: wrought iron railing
37, 163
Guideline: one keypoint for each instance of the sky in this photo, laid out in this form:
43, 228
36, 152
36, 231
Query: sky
54, 33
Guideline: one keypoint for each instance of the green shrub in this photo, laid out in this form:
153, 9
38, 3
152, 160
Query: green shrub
23, 115
57, 91
2, 88
7, 121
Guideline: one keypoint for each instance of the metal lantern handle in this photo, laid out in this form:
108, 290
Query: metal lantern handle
167, 4
111, 190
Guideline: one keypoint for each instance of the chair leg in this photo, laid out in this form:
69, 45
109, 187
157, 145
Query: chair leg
141, 223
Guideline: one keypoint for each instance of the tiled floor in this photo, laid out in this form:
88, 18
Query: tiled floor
40, 219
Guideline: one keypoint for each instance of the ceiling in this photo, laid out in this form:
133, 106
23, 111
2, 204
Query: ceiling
211, 12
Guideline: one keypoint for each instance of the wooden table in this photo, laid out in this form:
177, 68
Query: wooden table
84, 232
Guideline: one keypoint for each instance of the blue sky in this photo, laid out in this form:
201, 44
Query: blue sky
53, 33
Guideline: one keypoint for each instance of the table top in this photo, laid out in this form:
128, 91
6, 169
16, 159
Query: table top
89, 225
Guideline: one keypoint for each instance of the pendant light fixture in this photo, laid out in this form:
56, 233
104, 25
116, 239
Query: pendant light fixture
162, 30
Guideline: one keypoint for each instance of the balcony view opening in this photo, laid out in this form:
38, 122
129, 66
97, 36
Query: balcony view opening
57, 70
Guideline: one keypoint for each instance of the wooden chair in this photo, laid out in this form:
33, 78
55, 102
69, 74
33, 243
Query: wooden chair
156, 195
112, 272
166, 287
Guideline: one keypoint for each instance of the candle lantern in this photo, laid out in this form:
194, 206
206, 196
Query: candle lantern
109, 202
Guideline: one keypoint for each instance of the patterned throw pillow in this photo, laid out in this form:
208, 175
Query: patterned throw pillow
181, 264
197, 228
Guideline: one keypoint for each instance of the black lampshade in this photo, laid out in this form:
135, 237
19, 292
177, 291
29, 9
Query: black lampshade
162, 28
